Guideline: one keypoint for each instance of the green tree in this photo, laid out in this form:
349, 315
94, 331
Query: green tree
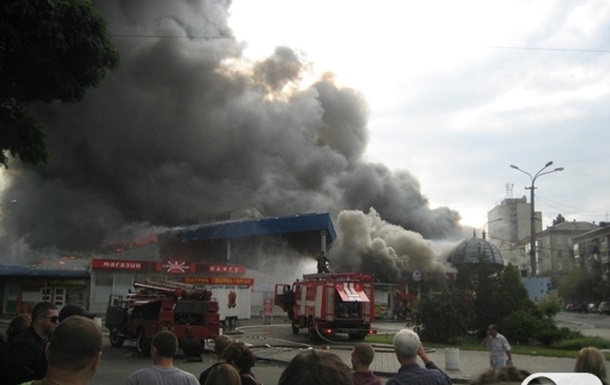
49, 50
446, 316
463, 279
578, 286
513, 293
499, 295
550, 305
558, 220
487, 303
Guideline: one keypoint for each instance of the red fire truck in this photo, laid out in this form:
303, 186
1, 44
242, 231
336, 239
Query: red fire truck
189, 312
328, 304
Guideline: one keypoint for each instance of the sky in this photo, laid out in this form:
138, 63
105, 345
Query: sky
400, 119
459, 91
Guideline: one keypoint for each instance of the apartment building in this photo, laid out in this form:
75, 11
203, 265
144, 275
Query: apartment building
591, 251
509, 229
555, 247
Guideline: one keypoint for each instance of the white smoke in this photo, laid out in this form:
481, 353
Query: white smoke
367, 243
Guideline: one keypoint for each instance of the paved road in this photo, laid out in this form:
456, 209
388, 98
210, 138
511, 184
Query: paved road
595, 325
268, 344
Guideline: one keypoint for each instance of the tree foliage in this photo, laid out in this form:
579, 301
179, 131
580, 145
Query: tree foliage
550, 305
49, 50
577, 286
499, 296
558, 220
513, 293
446, 316
463, 279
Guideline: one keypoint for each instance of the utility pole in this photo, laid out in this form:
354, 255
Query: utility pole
532, 187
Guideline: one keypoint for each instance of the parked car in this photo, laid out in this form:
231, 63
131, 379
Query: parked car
592, 308
574, 308
604, 307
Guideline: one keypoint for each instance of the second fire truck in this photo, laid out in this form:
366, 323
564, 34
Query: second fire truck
327, 304
189, 312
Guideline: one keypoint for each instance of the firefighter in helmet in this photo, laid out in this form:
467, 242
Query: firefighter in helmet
323, 263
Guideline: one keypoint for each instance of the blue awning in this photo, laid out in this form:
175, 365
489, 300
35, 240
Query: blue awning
267, 226
32, 271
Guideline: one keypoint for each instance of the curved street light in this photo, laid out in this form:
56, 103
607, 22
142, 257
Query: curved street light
532, 211
485, 233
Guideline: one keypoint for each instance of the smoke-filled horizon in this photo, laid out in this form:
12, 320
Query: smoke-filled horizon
187, 128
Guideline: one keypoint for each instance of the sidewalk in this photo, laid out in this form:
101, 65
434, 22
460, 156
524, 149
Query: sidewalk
468, 366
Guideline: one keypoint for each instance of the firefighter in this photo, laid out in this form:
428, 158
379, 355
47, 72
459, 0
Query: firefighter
323, 263
289, 301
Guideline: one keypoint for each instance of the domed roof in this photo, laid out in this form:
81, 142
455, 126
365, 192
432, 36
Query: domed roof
474, 251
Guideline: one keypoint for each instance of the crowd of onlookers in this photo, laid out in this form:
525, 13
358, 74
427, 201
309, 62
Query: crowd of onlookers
51, 347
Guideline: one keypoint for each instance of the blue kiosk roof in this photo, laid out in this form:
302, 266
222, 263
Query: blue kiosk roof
257, 227
29, 271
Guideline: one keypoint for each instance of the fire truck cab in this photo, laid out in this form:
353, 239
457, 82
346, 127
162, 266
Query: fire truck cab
328, 304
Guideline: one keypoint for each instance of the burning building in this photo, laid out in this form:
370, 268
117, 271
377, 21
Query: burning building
188, 127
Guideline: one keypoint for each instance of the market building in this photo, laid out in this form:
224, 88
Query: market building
236, 255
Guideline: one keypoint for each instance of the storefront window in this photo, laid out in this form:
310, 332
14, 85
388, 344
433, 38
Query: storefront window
102, 287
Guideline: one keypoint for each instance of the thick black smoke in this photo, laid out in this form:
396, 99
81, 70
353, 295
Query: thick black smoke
186, 128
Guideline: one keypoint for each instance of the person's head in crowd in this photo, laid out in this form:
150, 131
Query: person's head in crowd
240, 356
316, 367
164, 346
223, 374
362, 356
492, 330
18, 325
506, 375
74, 351
74, 309
45, 318
406, 344
220, 344
591, 360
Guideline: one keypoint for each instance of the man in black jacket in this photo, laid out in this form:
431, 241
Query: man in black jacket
26, 354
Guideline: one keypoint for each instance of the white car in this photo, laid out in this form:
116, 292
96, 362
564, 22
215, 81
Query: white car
604, 308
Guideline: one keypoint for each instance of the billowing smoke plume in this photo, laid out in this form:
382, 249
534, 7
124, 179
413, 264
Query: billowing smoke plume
186, 128
366, 242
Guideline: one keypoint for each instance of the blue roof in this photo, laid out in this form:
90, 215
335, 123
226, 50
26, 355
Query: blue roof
266, 226
30, 271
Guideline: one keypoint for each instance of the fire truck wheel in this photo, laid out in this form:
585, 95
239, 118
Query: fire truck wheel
313, 334
116, 339
192, 347
143, 344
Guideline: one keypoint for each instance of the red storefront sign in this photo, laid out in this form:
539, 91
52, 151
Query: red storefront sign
218, 281
176, 267
172, 266
226, 269
113, 264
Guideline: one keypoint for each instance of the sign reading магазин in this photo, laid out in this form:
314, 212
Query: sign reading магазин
173, 266
562, 379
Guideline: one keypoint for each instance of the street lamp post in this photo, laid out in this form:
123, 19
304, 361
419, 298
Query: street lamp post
484, 233
532, 211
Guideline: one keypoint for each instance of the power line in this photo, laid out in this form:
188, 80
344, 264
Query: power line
569, 209
549, 49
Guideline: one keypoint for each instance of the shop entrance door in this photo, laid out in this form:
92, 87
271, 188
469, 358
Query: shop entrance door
59, 296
